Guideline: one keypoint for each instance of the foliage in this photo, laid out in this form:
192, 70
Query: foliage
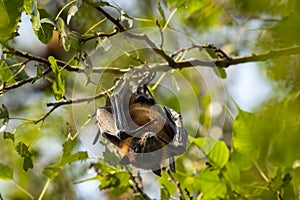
43, 156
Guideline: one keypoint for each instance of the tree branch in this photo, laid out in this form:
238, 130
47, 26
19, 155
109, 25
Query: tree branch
137, 185
80, 100
229, 61
177, 185
31, 57
144, 37
221, 62
100, 35
62, 63
22, 82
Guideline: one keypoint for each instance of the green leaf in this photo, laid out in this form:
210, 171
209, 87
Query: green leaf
4, 18
112, 178
4, 118
211, 185
220, 72
164, 193
8, 136
17, 70
63, 34
216, 151
28, 6
103, 168
39, 72
58, 85
166, 183
23, 151
51, 172
232, 174
6, 173
54, 66
69, 158
27, 163
161, 12
10, 16
110, 157
45, 33
212, 52
288, 192
68, 146
243, 137
5, 73
244, 146
35, 16
4, 115
117, 180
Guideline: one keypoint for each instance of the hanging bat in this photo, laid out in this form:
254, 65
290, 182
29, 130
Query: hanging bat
146, 134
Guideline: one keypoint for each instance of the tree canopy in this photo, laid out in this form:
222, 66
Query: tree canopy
51, 88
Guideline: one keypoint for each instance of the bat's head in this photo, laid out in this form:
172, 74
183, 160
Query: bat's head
144, 151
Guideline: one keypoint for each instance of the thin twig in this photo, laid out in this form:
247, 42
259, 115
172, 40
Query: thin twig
80, 100
200, 47
222, 63
113, 20
161, 35
188, 193
177, 185
137, 186
100, 35
143, 37
152, 45
226, 62
63, 63
23, 82
47, 114
193, 63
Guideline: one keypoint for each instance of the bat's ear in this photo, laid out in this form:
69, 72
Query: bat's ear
157, 172
123, 135
125, 160
113, 139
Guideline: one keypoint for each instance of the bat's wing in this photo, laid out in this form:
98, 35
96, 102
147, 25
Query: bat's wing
132, 83
114, 119
120, 105
178, 144
107, 122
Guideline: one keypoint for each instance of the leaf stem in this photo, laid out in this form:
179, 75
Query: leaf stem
63, 8
23, 190
169, 19
44, 189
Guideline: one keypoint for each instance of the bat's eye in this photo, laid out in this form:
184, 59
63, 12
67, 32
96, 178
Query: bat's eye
136, 149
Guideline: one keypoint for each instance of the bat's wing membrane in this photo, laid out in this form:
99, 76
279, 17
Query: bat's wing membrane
120, 105
178, 144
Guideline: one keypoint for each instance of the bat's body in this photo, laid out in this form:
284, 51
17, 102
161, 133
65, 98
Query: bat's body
149, 136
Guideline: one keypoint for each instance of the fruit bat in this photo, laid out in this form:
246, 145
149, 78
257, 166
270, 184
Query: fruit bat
144, 132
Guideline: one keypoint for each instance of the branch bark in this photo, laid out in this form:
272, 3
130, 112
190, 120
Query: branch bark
222, 63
